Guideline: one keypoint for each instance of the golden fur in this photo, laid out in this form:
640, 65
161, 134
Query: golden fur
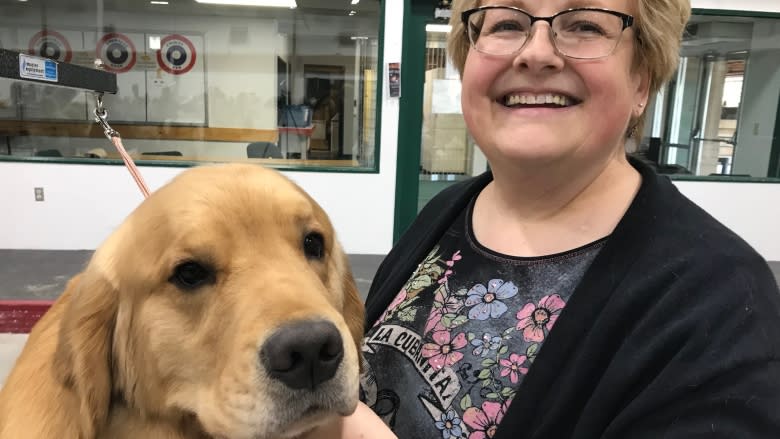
125, 352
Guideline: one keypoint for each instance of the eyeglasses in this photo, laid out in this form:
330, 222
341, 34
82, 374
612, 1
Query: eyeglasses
581, 33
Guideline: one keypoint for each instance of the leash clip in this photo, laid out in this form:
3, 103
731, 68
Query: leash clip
101, 116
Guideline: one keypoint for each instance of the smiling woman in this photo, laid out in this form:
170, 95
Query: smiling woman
199, 81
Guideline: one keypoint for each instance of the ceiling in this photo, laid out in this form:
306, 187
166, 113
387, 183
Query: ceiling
717, 35
311, 19
191, 7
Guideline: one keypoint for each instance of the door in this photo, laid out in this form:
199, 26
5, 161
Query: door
434, 147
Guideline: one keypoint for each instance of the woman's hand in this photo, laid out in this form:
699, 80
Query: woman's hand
363, 424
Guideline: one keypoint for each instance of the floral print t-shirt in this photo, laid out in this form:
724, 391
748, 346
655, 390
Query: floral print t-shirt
448, 354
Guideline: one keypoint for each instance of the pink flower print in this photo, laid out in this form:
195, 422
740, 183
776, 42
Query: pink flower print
455, 257
442, 305
400, 297
442, 352
484, 422
433, 320
513, 366
533, 319
485, 301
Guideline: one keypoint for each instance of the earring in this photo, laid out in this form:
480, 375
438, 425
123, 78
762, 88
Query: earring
641, 109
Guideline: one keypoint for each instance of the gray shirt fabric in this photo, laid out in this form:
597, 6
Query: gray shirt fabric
446, 357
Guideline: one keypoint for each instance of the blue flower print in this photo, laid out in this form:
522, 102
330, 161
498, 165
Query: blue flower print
483, 346
485, 301
449, 424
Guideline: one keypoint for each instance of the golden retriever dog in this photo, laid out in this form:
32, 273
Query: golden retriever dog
223, 307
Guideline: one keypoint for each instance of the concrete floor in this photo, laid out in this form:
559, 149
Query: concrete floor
42, 275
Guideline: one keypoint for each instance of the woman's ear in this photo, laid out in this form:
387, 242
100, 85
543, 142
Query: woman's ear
641, 91
82, 360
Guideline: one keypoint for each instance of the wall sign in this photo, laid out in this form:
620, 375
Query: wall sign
33, 67
117, 52
394, 79
176, 55
50, 44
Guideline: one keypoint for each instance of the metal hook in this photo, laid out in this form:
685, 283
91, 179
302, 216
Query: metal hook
101, 116
99, 100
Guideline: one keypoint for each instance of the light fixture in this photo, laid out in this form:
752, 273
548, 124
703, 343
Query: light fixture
354, 2
438, 28
351, 13
264, 3
158, 2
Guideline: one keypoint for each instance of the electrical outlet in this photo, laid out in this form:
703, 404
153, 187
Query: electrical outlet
39, 194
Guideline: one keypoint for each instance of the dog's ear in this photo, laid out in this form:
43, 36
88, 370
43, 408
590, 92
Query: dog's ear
82, 360
354, 311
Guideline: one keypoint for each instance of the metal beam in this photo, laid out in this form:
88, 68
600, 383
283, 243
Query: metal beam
24, 67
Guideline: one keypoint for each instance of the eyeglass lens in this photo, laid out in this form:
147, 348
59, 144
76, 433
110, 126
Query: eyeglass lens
578, 33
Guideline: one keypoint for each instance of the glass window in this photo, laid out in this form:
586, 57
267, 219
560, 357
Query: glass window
447, 151
199, 81
719, 115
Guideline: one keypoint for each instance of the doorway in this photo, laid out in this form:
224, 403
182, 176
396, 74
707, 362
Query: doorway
324, 93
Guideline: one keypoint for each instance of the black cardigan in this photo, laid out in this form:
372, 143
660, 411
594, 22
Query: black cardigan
673, 332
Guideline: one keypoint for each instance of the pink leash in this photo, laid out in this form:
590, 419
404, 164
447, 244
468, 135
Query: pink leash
101, 114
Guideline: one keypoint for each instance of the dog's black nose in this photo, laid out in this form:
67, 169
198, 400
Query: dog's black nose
303, 355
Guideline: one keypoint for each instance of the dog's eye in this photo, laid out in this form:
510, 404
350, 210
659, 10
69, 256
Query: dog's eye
314, 245
190, 275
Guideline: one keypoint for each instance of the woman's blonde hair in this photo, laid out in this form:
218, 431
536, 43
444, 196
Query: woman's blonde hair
658, 25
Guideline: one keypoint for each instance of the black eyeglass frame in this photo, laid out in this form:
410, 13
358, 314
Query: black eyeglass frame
626, 19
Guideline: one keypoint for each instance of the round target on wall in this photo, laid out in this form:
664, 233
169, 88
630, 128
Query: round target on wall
117, 52
50, 44
176, 55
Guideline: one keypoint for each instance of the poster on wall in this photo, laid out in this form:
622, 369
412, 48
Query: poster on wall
394, 79
48, 43
176, 88
177, 54
42, 102
445, 97
118, 51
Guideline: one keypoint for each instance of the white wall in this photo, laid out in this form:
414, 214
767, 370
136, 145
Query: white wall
241, 75
749, 209
84, 203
